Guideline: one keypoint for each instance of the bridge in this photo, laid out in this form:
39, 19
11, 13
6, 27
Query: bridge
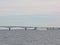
25, 27
34, 28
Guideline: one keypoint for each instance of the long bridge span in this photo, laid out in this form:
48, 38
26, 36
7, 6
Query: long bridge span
25, 27
34, 28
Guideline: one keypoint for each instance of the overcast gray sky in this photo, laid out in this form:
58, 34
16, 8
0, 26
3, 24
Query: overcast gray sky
38, 12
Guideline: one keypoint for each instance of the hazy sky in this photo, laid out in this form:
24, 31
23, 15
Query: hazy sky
30, 12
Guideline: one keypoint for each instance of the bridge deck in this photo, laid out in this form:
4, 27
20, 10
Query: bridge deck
25, 27
35, 28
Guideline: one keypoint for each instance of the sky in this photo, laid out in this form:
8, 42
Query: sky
30, 12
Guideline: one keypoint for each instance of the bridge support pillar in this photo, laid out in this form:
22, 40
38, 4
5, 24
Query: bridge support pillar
47, 28
35, 28
9, 28
25, 28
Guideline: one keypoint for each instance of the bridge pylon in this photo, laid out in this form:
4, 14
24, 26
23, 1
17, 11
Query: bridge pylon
9, 28
35, 28
25, 28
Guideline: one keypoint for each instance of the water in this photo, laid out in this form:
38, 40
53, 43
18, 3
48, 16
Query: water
30, 37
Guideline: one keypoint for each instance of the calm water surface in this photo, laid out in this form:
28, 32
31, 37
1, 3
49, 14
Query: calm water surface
30, 37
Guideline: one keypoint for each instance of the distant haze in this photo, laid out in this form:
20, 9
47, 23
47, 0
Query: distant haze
30, 12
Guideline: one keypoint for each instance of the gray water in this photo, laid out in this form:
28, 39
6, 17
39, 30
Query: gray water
30, 37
